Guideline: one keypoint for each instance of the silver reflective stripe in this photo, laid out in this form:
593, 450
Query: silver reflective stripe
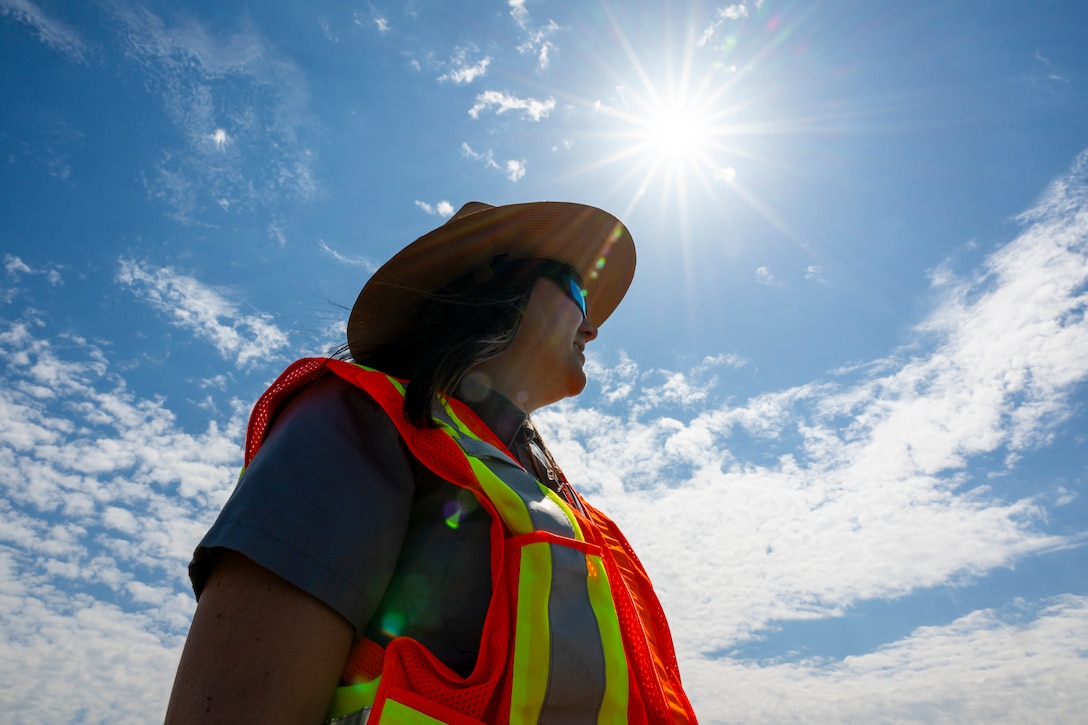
544, 513
576, 683
359, 717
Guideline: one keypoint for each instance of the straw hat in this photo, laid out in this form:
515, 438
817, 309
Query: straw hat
592, 241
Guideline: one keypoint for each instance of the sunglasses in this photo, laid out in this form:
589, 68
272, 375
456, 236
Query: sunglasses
568, 280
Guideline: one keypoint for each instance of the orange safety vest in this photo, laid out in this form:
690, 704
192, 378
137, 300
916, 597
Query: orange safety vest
574, 632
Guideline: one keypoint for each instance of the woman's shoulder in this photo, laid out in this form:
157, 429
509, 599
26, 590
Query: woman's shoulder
330, 401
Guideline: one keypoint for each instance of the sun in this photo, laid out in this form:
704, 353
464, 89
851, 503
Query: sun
673, 126
669, 127
671, 133
675, 134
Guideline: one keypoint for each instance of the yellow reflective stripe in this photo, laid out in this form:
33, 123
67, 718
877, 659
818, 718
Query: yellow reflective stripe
565, 508
510, 506
614, 707
532, 634
395, 382
397, 713
349, 698
460, 423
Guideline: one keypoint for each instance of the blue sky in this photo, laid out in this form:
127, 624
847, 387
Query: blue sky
841, 413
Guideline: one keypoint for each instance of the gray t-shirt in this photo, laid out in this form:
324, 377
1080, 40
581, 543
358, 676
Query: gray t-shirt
334, 503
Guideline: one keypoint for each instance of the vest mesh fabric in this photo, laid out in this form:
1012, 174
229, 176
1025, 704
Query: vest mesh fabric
653, 659
287, 383
364, 661
481, 696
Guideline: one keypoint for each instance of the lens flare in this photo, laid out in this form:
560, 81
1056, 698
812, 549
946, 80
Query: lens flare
453, 513
393, 624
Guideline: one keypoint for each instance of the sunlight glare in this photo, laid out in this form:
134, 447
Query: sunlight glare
675, 133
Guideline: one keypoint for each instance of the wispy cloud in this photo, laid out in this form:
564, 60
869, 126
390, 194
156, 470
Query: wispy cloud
443, 208
538, 38
1044, 74
363, 262
725, 14
530, 108
513, 168
54, 33
469, 153
246, 148
57, 143
15, 268
326, 29
191, 305
461, 70
373, 18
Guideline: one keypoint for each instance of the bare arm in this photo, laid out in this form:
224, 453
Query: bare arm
260, 650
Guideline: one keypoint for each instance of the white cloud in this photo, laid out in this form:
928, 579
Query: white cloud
725, 173
515, 169
530, 108
15, 266
518, 11
103, 498
462, 71
326, 29
725, 14
220, 139
469, 153
191, 305
1019, 665
264, 162
275, 230
56, 34
363, 262
729, 360
538, 39
443, 208
763, 275
372, 17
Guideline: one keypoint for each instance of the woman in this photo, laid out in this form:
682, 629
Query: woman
401, 545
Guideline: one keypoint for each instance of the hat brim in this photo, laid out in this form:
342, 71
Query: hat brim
592, 241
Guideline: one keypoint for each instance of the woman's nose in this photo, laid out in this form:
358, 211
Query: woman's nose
588, 330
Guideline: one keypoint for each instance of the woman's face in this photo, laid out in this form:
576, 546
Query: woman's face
544, 362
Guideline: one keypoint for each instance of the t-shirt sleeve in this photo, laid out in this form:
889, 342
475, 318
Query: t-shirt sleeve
325, 503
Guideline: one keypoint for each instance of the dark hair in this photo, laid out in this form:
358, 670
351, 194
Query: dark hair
470, 320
